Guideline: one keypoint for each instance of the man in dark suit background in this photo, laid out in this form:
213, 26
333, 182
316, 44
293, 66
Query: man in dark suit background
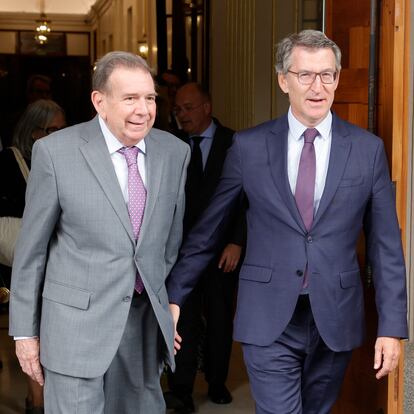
214, 295
313, 182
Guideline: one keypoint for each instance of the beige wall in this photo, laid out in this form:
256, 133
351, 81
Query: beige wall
76, 29
8, 42
124, 25
243, 81
118, 24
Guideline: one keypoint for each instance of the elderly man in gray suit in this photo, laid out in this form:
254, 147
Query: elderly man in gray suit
101, 230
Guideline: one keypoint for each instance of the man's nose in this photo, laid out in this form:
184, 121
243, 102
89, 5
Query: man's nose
141, 107
317, 83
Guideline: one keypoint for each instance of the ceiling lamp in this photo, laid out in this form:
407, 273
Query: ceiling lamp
42, 29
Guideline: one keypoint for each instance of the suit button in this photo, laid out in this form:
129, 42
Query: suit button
309, 239
299, 273
126, 299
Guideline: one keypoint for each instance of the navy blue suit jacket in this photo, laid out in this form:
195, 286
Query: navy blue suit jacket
358, 194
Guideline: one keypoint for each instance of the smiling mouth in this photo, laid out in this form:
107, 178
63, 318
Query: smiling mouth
316, 100
136, 123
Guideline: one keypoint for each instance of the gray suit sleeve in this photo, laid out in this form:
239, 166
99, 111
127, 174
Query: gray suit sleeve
40, 216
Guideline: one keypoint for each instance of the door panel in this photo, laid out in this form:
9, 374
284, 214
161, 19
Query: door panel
347, 23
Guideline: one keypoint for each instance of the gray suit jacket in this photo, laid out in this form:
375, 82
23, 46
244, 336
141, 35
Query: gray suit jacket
76, 258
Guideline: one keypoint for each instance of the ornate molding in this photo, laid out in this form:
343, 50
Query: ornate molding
59, 22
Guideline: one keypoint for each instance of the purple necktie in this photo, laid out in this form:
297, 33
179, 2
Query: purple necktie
137, 195
305, 184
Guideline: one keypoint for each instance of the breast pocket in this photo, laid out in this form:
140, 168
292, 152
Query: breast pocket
351, 181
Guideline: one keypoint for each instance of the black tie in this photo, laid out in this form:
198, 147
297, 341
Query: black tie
194, 185
195, 168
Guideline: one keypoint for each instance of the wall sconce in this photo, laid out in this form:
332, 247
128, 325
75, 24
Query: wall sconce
143, 49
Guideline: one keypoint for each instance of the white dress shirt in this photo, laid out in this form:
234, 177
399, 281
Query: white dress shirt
119, 161
322, 145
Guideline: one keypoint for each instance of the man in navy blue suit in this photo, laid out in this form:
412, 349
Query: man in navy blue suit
213, 298
313, 182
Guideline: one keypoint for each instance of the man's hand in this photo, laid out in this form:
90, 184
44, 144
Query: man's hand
175, 312
27, 351
230, 257
387, 353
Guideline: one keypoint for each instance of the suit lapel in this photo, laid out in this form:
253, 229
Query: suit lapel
99, 160
154, 168
340, 149
277, 149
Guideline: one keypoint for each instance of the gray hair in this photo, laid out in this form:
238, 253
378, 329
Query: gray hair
38, 115
310, 39
111, 61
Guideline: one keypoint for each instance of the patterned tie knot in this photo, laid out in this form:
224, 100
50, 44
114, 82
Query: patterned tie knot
310, 134
130, 154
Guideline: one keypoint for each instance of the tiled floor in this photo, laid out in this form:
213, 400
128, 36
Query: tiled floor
13, 385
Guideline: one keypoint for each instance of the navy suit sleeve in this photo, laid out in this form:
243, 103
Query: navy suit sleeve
205, 238
384, 251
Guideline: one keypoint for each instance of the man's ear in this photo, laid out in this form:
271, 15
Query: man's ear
98, 101
283, 82
337, 80
207, 108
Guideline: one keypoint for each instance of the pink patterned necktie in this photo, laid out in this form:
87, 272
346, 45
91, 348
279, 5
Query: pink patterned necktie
305, 184
137, 195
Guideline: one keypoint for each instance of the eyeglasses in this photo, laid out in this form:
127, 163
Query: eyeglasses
186, 108
307, 78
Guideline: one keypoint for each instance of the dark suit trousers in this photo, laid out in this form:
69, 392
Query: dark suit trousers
297, 374
212, 298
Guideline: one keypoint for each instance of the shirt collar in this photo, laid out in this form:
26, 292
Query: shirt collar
297, 129
209, 132
113, 143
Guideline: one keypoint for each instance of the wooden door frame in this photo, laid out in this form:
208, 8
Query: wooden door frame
401, 33
394, 124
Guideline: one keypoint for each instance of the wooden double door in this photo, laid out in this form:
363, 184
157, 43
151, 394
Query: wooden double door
348, 23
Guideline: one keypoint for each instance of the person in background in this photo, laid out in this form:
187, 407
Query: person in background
168, 84
41, 118
38, 87
313, 182
214, 296
101, 230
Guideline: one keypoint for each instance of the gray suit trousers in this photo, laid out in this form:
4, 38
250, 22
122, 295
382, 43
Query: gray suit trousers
132, 382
